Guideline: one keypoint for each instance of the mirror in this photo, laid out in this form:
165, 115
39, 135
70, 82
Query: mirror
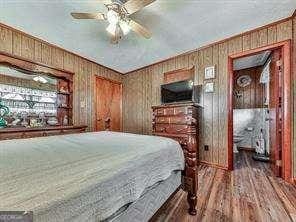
30, 97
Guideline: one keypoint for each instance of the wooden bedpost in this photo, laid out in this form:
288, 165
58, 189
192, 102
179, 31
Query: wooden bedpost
191, 177
180, 122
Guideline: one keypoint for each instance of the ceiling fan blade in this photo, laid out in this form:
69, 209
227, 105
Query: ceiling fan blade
77, 15
141, 30
135, 5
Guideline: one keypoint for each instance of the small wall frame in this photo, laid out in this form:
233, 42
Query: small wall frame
209, 87
210, 72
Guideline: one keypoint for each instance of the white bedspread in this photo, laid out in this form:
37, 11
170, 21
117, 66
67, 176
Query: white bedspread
90, 174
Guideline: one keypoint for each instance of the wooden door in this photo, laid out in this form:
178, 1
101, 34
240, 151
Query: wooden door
108, 105
275, 112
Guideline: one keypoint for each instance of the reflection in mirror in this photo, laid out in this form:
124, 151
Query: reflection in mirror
30, 97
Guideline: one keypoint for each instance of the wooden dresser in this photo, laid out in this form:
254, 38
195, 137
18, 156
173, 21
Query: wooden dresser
180, 122
21, 133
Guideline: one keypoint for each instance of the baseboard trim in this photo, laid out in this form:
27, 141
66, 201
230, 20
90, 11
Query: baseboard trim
215, 165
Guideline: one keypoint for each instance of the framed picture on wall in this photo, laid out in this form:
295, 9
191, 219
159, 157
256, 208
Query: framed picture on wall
210, 72
209, 87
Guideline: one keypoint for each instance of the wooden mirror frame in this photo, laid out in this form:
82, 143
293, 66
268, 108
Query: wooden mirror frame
35, 67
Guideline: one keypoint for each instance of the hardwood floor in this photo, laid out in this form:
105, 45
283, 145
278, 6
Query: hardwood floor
249, 193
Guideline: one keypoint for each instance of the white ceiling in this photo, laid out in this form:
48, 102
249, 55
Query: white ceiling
8, 71
251, 61
177, 26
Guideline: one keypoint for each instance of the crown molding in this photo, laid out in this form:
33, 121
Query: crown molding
294, 14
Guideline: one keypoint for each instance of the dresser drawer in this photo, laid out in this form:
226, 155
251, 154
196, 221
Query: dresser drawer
162, 119
33, 134
52, 132
171, 111
180, 110
8, 136
167, 111
185, 119
171, 129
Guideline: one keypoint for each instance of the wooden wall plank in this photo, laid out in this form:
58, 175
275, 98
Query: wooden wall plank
5, 40
94, 73
27, 47
16, 43
46, 54
202, 155
215, 105
294, 97
262, 37
57, 58
68, 62
272, 34
76, 90
254, 40
207, 108
284, 31
246, 42
157, 78
37, 51
223, 118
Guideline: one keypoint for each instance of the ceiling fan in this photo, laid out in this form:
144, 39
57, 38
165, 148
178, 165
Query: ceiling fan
118, 16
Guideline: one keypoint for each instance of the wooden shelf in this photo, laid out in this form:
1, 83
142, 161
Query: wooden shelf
25, 101
64, 93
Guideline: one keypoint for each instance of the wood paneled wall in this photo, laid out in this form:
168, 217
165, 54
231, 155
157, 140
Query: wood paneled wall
294, 94
28, 47
251, 96
142, 87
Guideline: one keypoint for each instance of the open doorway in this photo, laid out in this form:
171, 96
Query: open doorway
260, 107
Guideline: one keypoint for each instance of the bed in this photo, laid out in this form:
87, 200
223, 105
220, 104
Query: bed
98, 176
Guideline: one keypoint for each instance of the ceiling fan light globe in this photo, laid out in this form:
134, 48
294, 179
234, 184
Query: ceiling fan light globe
40, 79
125, 27
112, 17
111, 29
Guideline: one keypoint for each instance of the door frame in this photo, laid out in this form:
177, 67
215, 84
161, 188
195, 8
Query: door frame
285, 46
95, 99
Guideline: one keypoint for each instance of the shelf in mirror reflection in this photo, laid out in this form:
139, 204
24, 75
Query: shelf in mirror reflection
27, 91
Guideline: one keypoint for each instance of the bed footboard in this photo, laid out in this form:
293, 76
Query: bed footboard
190, 178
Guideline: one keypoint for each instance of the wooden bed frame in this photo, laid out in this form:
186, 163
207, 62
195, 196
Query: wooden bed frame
187, 139
189, 147
189, 176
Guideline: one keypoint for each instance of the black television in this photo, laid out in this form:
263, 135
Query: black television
179, 92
